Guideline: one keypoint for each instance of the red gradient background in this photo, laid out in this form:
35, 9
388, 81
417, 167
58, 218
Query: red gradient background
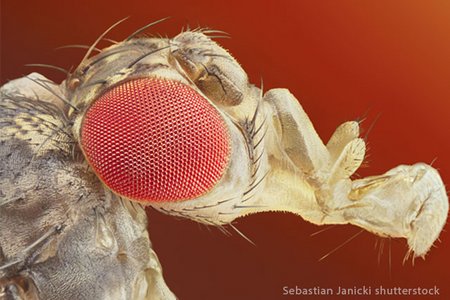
341, 59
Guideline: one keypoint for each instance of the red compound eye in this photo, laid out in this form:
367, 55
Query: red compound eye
152, 139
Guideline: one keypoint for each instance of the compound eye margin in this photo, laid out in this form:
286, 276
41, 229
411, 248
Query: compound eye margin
156, 140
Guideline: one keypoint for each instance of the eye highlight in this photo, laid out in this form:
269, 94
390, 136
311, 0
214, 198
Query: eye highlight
156, 140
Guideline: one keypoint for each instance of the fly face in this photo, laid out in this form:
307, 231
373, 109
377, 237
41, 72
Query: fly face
175, 124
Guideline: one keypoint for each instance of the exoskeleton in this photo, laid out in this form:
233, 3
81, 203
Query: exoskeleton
175, 124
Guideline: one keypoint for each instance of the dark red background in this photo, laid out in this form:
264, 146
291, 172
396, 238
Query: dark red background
341, 59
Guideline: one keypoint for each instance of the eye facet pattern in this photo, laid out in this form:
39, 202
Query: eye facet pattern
156, 140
